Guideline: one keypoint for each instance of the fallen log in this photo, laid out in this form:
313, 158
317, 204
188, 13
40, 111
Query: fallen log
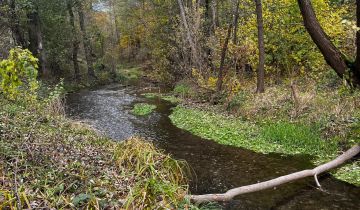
229, 195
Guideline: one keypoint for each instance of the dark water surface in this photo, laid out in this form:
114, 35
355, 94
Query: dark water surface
217, 167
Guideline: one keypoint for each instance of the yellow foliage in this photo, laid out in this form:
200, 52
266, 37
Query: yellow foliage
209, 83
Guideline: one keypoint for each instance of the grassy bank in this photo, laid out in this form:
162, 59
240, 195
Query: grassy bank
322, 125
48, 161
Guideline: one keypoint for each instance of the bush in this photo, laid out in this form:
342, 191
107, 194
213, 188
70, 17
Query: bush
18, 75
183, 90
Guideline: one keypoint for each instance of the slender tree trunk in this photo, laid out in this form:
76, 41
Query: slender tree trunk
36, 41
193, 47
261, 66
115, 38
75, 41
86, 43
15, 25
356, 69
331, 54
236, 21
223, 56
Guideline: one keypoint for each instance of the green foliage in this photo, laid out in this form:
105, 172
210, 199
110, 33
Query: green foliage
298, 138
237, 101
350, 173
18, 75
126, 73
143, 109
183, 90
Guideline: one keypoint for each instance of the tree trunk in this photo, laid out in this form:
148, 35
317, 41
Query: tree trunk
223, 56
229, 195
261, 66
356, 69
331, 54
86, 43
236, 21
193, 47
36, 41
75, 41
15, 25
115, 38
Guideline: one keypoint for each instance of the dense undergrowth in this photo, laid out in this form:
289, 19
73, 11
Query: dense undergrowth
48, 161
323, 123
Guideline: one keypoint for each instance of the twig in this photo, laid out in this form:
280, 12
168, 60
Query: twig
16, 186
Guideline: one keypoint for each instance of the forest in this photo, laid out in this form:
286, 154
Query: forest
179, 104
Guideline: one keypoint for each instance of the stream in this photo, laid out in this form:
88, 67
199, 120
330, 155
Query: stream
218, 168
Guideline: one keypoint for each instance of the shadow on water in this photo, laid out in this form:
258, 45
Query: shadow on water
217, 167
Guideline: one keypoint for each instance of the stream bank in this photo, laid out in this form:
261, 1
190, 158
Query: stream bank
216, 167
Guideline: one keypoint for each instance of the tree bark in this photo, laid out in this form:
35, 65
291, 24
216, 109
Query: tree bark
356, 69
332, 55
193, 47
223, 56
229, 195
15, 25
115, 37
236, 21
261, 45
75, 40
36, 40
86, 43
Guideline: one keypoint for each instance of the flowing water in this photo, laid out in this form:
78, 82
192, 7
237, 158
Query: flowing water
217, 167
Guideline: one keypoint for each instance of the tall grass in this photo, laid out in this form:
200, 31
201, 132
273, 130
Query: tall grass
160, 180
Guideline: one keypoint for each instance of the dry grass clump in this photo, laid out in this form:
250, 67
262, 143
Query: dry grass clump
160, 181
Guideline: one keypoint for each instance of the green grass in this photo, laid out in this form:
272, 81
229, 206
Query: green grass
265, 137
298, 138
143, 109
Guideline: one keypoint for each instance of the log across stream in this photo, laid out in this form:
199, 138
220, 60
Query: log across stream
218, 168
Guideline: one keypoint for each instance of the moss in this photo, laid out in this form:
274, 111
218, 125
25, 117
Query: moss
143, 109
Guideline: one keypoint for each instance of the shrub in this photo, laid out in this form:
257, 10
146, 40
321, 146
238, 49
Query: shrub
183, 90
18, 75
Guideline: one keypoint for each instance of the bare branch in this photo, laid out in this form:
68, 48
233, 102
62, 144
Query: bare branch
229, 195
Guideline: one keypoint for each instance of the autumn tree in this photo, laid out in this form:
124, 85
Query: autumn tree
342, 66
